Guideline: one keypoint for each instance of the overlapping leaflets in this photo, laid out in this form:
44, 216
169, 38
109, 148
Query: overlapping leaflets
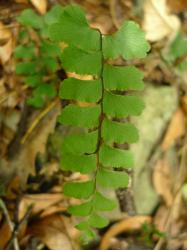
37, 57
94, 150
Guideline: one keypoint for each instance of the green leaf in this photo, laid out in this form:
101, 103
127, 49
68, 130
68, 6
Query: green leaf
97, 221
50, 64
50, 49
79, 163
178, 47
73, 29
122, 78
122, 106
24, 52
112, 179
81, 62
40, 94
79, 190
81, 90
113, 157
33, 80
26, 68
182, 66
101, 203
83, 209
80, 143
30, 19
53, 16
80, 116
119, 132
128, 42
87, 233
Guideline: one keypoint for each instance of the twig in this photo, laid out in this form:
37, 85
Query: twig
38, 119
17, 229
10, 223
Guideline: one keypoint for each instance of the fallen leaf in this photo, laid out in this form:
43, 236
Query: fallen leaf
177, 6
21, 1
40, 5
5, 235
52, 231
126, 225
23, 163
184, 104
6, 44
41, 204
158, 22
160, 218
5, 33
176, 129
162, 181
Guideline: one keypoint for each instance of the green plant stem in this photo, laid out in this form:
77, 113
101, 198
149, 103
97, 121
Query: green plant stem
99, 142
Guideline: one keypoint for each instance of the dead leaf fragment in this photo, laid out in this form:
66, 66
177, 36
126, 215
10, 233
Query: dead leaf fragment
6, 43
6, 51
177, 5
40, 5
128, 224
52, 232
176, 129
158, 22
162, 181
41, 203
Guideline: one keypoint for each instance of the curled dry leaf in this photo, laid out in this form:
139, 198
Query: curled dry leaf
42, 203
40, 5
162, 181
176, 129
6, 51
128, 224
52, 231
158, 22
6, 44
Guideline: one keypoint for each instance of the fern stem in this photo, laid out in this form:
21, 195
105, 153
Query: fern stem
99, 142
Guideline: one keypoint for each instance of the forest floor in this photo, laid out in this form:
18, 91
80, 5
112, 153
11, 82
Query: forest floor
152, 213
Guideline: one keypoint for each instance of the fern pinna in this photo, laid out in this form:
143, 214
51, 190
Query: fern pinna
96, 146
94, 151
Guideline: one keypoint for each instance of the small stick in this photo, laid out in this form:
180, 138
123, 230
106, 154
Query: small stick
16, 231
38, 119
10, 223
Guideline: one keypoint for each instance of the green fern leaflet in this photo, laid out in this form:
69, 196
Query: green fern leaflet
93, 150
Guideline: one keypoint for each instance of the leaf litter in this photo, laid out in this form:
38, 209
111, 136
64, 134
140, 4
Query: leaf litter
44, 213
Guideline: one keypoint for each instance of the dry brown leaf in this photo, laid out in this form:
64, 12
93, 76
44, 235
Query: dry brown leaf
6, 43
21, 1
52, 231
5, 33
162, 181
5, 235
176, 129
160, 218
158, 23
23, 163
40, 5
41, 204
6, 51
128, 224
184, 104
177, 5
